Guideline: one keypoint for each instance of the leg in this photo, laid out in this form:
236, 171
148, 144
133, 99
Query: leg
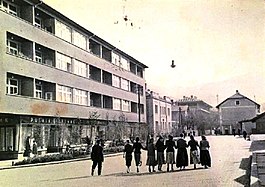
167, 167
99, 167
94, 165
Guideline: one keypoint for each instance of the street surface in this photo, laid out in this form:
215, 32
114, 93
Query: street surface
230, 156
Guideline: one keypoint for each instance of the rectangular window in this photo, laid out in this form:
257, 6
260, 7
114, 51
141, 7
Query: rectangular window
168, 111
125, 106
116, 104
48, 96
64, 94
80, 68
124, 63
38, 57
38, 90
124, 84
116, 81
115, 59
13, 47
63, 62
156, 109
10, 8
38, 22
12, 86
7, 142
79, 39
237, 103
63, 31
80, 97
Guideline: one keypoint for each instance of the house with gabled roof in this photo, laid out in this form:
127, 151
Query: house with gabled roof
235, 109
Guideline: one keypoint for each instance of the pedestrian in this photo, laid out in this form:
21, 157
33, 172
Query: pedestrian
97, 157
88, 142
35, 148
128, 149
160, 147
170, 152
182, 155
27, 147
205, 157
151, 162
234, 131
194, 153
137, 146
245, 134
238, 132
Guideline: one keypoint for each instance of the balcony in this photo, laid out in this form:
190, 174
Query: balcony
18, 46
107, 78
18, 8
95, 48
44, 21
95, 73
45, 90
44, 55
107, 102
95, 100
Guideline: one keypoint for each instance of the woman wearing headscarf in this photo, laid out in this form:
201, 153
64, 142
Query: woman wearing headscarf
204, 153
182, 155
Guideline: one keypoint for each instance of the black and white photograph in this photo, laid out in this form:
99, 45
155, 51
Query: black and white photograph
114, 93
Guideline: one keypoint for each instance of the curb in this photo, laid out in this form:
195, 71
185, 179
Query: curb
56, 162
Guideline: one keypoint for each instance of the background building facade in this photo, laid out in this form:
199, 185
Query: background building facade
235, 109
61, 82
158, 114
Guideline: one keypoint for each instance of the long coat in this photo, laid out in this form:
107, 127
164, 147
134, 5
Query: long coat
97, 153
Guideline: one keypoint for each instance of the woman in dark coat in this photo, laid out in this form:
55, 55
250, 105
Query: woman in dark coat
97, 157
182, 155
204, 151
128, 149
151, 162
194, 153
160, 147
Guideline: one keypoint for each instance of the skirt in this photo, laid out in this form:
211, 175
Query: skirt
205, 158
151, 161
182, 158
128, 160
170, 158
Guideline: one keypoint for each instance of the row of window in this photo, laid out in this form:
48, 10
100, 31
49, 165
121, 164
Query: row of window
65, 32
17, 46
162, 110
44, 90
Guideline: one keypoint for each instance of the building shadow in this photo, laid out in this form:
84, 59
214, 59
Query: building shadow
245, 164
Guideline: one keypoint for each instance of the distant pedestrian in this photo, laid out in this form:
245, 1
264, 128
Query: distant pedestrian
128, 149
160, 147
27, 147
97, 157
194, 153
205, 157
151, 161
137, 146
170, 152
35, 148
238, 132
245, 134
234, 131
182, 155
193, 133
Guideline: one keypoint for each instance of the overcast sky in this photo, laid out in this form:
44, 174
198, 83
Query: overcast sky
218, 46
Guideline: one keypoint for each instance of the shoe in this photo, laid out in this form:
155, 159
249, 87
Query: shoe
206, 167
154, 170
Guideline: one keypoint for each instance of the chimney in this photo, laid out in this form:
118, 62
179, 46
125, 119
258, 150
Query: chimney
237, 91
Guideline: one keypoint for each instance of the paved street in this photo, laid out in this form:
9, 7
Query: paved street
230, 156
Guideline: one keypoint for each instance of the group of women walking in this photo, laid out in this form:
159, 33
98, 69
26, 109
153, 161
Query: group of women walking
199, 153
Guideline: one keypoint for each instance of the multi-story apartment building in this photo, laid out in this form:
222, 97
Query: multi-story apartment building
158, 110
235, 109
61, 82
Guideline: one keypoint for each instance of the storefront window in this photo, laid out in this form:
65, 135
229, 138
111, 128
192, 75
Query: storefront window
7, 136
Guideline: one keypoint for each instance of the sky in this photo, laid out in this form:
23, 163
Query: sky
218, 46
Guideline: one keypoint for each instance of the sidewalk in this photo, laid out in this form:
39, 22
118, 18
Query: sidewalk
7, 164
258, 160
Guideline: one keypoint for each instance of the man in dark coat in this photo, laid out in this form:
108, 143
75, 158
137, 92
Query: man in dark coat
97, 157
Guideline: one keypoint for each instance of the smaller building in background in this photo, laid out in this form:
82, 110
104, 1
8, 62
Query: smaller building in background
255, 125
191, 114
158, 110
235, 109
